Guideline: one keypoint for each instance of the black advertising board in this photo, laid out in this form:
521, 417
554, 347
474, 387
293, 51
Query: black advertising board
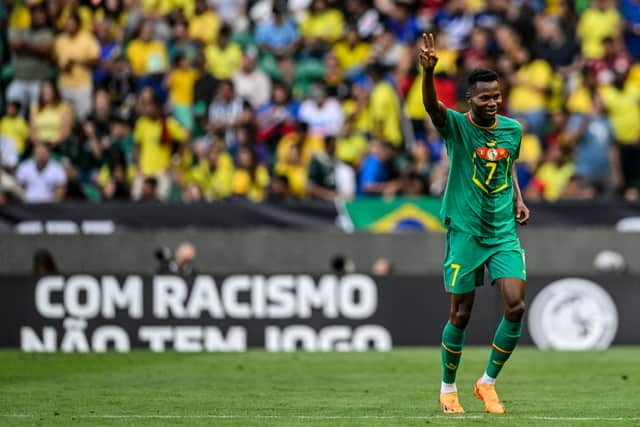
287, 312
104, 218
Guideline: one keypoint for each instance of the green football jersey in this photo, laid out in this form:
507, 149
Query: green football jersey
478, 199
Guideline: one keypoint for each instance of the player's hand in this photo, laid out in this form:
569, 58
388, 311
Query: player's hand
522, 213
427, 54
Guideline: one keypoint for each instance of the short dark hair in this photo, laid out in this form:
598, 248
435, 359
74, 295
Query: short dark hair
302, 126
179, 57
15, 104
282, 178
151, 181
482, 75
75, 16
225, 30
377, 69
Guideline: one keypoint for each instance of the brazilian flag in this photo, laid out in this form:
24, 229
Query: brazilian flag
394, 215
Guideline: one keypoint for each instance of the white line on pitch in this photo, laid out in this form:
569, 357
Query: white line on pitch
315, 417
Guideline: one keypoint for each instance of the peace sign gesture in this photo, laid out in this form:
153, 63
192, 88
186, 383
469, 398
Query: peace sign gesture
427, 54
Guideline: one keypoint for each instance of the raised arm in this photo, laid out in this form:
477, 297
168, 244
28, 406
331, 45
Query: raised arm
428, 60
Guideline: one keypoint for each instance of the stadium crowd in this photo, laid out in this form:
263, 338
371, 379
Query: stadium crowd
190, 100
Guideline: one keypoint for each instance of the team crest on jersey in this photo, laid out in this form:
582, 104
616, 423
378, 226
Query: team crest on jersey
492, 154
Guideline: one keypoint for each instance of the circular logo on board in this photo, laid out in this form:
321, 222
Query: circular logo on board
573, 314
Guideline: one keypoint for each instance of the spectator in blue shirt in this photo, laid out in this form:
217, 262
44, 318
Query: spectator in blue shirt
109, 49
630, 10
596, 156
278, 36
403, 25
377, 175
455, 23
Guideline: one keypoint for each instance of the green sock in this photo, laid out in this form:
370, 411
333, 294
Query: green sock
503, 344
452, 343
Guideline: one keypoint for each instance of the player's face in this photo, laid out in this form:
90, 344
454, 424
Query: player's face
485, 100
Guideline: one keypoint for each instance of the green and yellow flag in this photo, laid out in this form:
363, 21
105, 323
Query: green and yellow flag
395, 215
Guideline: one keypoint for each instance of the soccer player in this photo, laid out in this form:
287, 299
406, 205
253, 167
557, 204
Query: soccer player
481, 206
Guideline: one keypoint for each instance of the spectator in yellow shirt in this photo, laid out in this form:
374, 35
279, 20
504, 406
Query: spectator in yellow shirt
530, 90
358, 108
599, 21
530, 149
51, 119
14, 126
154, 136
295, 171
351, 146
622, 103
214, 174
204, 24
224, 57
77, 52
554, 175
530, 155
309, 143
352, 52
180, 81
250, 180
321, 27
633, 78
385, 107
148, 57
579, 100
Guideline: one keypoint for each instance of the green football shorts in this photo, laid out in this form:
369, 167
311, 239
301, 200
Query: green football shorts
466, 257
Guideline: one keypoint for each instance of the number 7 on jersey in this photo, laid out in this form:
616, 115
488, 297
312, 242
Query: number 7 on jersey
456, 269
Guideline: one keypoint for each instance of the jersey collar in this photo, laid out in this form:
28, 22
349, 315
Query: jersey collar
493, 126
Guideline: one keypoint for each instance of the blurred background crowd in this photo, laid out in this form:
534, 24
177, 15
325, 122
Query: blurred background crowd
202, 100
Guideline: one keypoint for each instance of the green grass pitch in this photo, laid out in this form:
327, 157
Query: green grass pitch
398, 388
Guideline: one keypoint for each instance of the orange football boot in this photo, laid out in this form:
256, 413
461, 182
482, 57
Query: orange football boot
487, 393
450, 404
